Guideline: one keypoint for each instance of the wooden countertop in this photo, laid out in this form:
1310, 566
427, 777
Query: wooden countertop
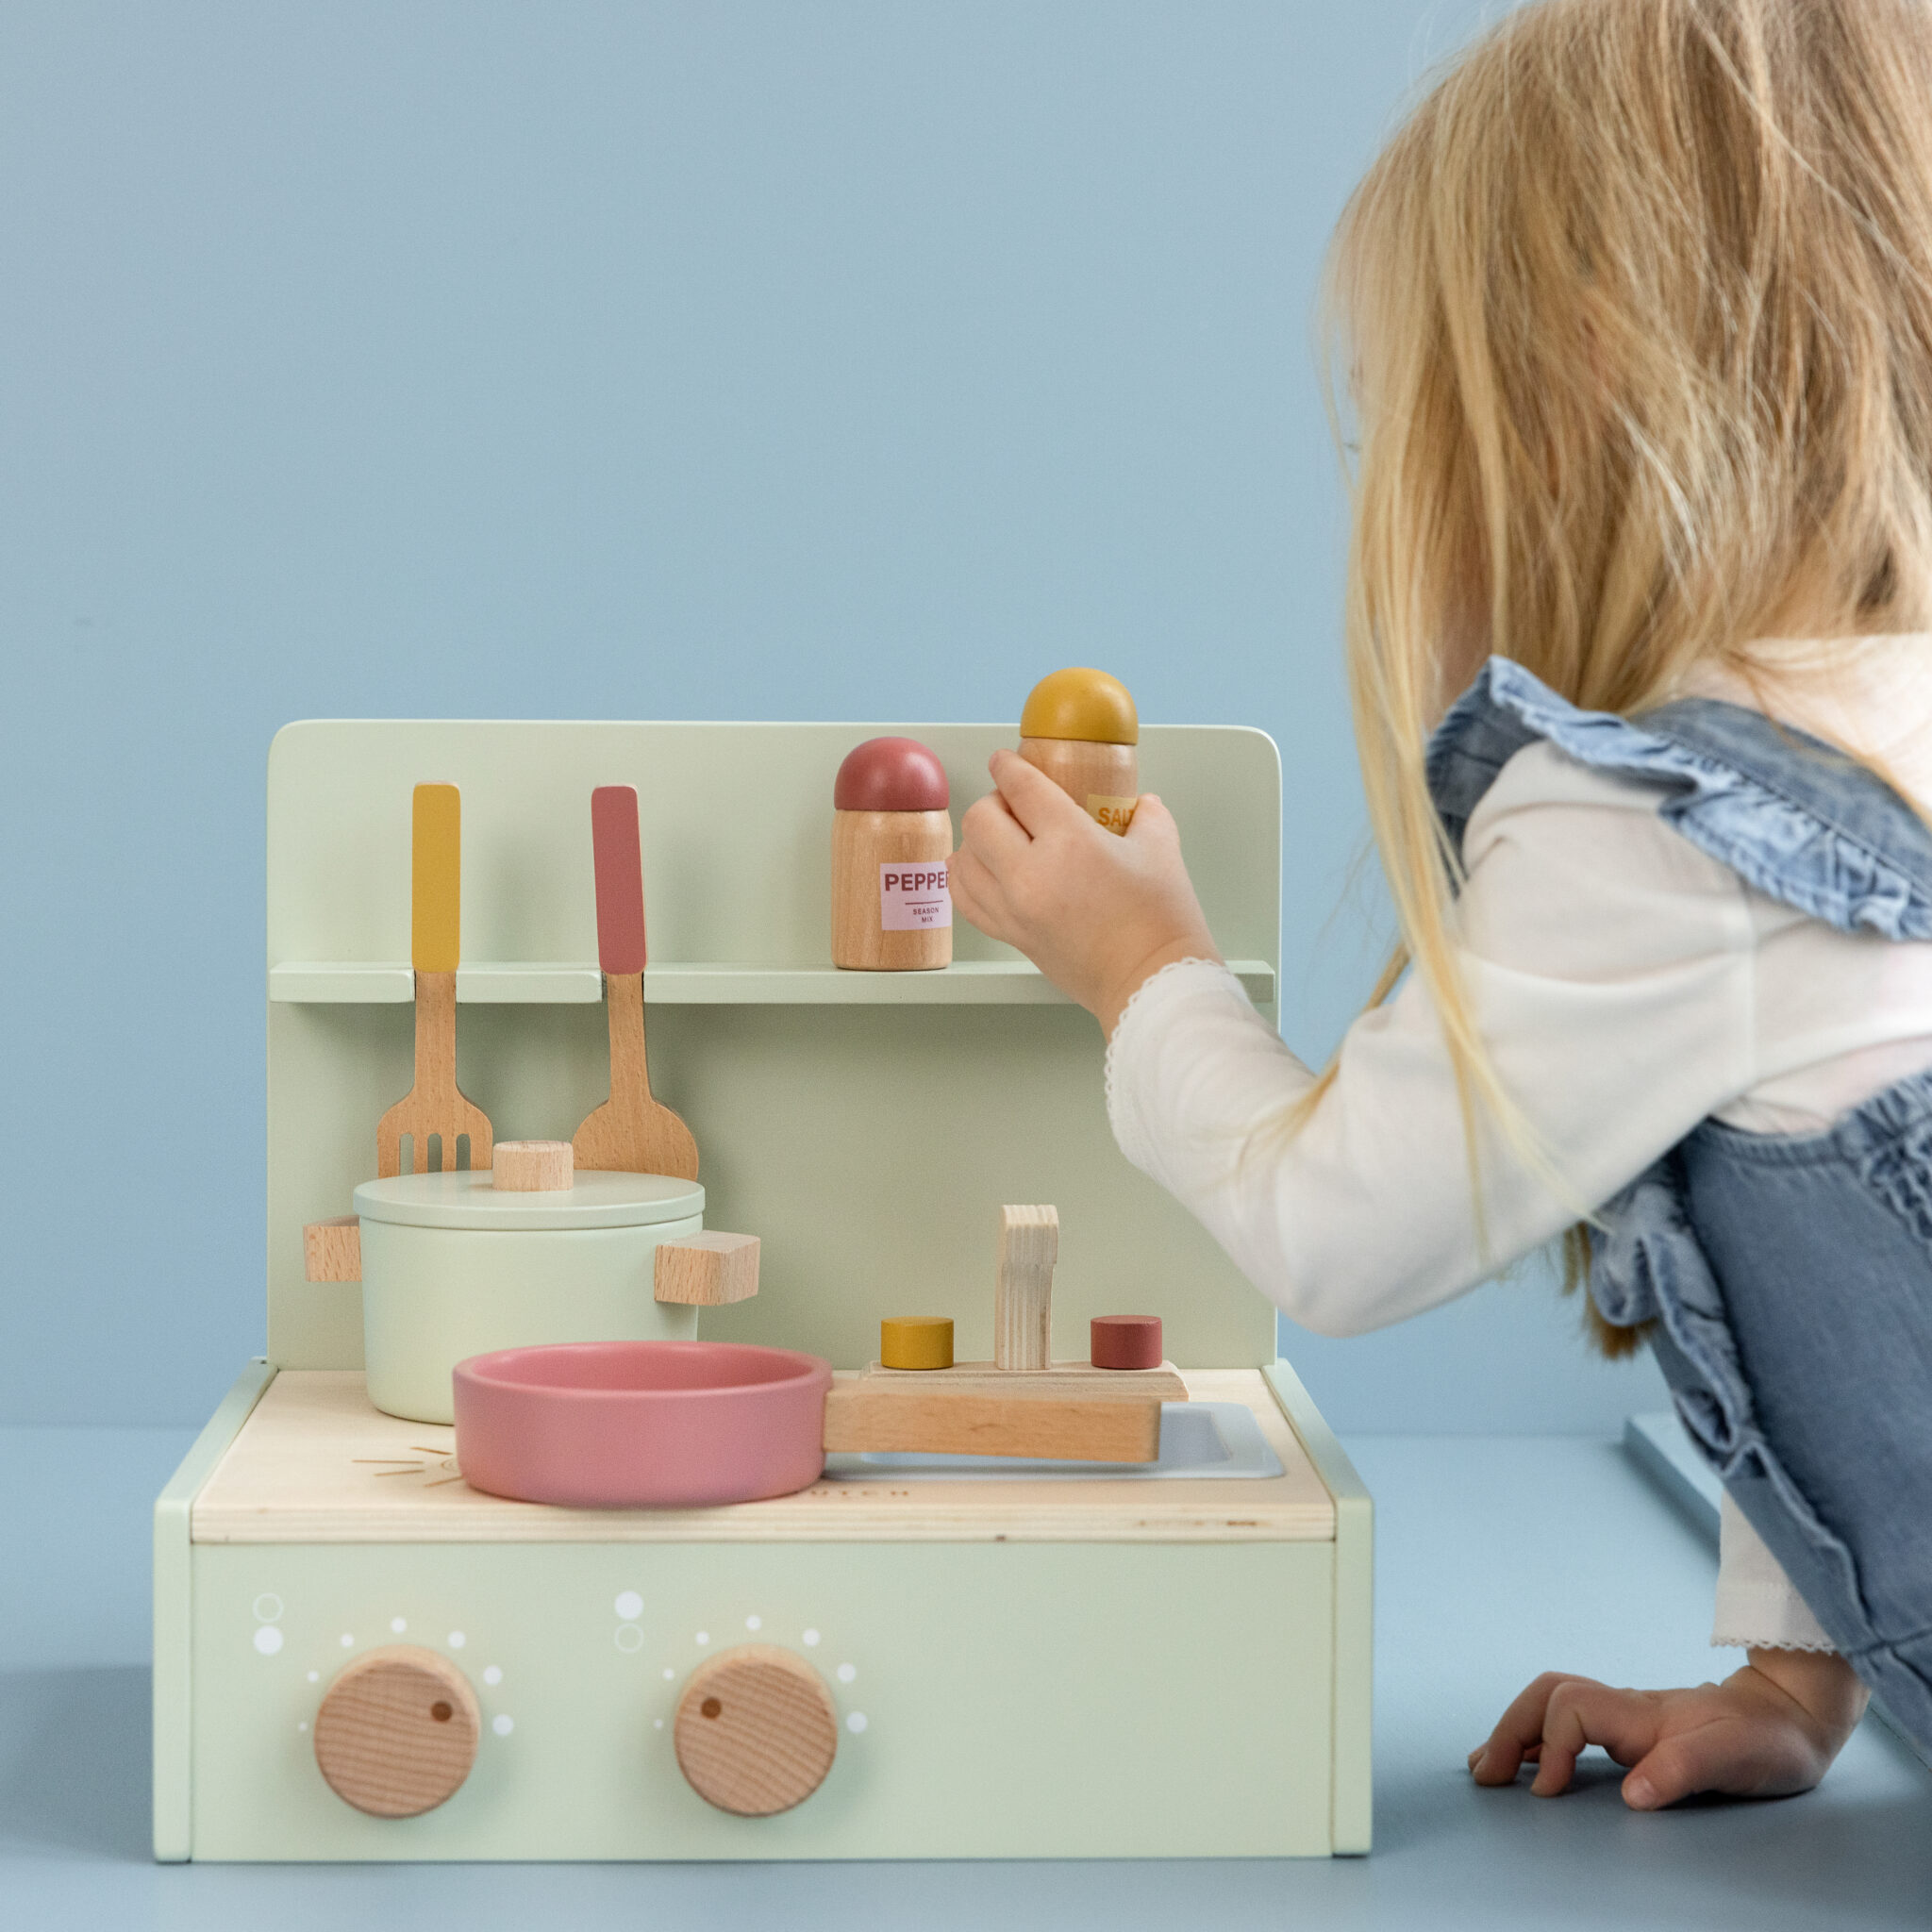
316, 1463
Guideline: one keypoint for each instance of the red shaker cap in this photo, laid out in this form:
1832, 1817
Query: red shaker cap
1127, 1342
892, 775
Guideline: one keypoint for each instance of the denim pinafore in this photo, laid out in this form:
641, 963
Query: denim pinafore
1789, 1275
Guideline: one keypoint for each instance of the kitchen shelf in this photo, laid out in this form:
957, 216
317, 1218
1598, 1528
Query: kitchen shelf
966, 983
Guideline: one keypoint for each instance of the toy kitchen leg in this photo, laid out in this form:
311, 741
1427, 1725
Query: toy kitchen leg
1011, 1670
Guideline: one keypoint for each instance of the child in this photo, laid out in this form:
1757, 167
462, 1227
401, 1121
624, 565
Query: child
1639, 311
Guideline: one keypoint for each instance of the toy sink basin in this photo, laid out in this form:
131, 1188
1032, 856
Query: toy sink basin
1218, 1440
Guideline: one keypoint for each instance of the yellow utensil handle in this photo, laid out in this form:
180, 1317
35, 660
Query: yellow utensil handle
436, 878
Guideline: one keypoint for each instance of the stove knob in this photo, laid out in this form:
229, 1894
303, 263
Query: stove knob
756, 1730
396, 1733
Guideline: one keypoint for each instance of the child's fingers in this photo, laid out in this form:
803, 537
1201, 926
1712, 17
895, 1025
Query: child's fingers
1032, 797
975, 893
1520, 1729
1583, 1712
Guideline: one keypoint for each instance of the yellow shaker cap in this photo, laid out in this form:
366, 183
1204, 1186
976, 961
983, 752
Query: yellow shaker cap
1083, 704
916, 1341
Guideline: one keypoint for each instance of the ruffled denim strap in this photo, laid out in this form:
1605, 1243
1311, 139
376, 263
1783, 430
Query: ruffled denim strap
1791, 816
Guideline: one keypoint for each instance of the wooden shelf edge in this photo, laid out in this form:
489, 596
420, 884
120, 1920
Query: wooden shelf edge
966, 983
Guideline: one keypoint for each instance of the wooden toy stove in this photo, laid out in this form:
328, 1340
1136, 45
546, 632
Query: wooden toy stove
1018, 1662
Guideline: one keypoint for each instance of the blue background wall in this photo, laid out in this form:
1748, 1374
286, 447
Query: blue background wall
831, 360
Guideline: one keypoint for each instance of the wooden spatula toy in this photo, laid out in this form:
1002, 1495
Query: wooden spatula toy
630, 1132
434, 1105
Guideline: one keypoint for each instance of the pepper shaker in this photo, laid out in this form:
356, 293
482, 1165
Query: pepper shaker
891, 838
1080, 729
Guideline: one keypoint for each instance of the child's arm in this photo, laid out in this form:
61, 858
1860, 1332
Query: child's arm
1769, 1729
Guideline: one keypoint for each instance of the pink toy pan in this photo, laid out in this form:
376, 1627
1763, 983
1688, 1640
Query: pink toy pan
642, 1424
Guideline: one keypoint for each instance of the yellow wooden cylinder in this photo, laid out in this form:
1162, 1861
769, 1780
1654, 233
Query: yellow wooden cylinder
916, 1341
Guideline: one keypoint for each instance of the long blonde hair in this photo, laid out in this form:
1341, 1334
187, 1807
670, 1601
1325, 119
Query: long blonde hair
1637, 314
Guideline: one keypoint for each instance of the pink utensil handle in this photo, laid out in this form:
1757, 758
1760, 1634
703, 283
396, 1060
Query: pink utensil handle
620, 878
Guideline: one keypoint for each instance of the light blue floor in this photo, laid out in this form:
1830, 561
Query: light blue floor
1497, 1558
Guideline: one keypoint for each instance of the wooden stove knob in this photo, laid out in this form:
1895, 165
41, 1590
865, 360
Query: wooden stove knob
756, 1731
396, 1733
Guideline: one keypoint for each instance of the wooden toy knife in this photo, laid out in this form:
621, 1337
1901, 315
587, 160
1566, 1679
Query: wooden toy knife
630, 1132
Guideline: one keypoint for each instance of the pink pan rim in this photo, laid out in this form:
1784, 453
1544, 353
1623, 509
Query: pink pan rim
496, 1370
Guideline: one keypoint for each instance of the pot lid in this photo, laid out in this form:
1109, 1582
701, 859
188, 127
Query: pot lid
466, 1199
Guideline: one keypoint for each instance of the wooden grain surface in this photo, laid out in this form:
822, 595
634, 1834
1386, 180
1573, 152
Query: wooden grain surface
1164, 1384
396, 1731
1029, 1244
631, 1133
706, 1269
531, 1167
756, 1730
332, 1249
861, 843
315, 1463
434, 1105
927, 1418
1095, 776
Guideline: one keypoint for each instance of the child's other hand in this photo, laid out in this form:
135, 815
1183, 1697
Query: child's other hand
1766, 1731
1096, 912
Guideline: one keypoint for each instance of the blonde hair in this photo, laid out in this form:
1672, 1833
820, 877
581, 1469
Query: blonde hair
1637, 310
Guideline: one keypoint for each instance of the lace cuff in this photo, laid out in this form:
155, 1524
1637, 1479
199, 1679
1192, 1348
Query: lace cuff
1141, 1022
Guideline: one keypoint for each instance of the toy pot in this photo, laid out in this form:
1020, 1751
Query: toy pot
452, 1267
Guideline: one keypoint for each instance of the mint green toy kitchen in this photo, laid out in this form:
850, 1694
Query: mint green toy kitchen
1024, 1660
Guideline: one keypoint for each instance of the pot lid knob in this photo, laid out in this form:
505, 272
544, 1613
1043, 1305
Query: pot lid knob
532, 1167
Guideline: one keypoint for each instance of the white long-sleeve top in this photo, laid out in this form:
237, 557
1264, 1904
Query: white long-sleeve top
1626, 986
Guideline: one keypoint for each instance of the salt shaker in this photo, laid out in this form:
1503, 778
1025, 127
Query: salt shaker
891, 838
1080, 729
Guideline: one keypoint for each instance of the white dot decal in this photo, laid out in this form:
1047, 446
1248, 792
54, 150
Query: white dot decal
348, 1641
704, 1637
268, 1640
303, 1725
399, 1624
812, 1638
502, 1726
493, 1675
855, 1723
656, 1724
629, 1605
268, 1608
315, 1676
456, 1639
629, 1639
846, 1674
668, 1674
754, 1622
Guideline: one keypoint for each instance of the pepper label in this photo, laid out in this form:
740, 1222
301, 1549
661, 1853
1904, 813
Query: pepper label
913, 896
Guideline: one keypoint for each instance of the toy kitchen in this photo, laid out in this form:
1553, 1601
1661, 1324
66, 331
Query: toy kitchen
814, 1442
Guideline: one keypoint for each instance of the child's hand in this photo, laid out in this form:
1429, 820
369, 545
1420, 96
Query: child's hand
1096, 912
1766, 1731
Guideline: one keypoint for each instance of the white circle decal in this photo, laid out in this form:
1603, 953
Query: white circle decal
268, 1608
629, 1639
812, 1638
631, 1606
456, 1639
268, 1640
846, 1674
502, 1726
493, 1675
855, 1723
754, 1622
399, 1624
